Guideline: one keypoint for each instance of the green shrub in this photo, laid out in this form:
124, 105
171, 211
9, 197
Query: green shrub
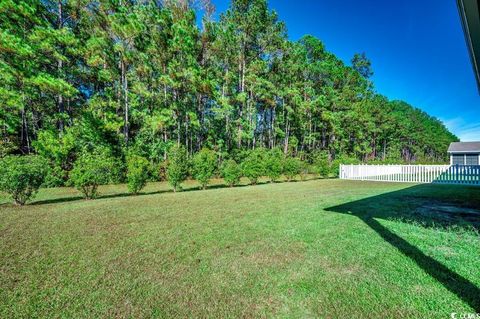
231, 172
204, 166
137, 173
291, 167
177, 167
6, 147
58, 150
55, 177
273, 164
254, 166
159, 171
91, 170
304, 170
22, 176
53, 147
321, 164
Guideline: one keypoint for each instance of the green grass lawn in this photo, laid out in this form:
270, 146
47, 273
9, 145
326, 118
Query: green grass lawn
320, 248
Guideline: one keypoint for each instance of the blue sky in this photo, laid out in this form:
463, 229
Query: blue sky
417, 49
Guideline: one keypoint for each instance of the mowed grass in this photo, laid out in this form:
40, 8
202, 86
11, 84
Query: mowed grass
319, 248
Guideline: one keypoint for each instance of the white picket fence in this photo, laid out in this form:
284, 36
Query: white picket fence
444, 174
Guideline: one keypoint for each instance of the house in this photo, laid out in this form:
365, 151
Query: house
464, 153
470, 17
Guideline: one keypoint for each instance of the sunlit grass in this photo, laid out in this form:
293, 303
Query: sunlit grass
281, 250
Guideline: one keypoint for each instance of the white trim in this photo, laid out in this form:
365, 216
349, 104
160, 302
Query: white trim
462, 152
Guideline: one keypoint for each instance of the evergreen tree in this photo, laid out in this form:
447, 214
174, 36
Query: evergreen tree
231, 172
204, 166
144, 75
177, 169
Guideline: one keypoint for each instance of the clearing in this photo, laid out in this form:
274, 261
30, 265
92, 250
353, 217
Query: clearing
319, 248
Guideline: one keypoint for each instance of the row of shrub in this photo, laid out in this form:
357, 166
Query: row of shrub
22, 176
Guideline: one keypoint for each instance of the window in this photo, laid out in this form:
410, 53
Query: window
458, 159
471, 159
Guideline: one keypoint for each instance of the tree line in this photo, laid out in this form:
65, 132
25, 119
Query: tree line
22, 176
138, 77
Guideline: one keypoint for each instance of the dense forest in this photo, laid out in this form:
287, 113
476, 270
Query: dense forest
140, 76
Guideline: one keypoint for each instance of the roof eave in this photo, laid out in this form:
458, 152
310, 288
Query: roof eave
470, 16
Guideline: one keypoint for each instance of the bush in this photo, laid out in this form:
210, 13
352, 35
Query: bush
22, 176
253, 166
304, 170
91, 170
321, 164
137, 173
177, 167
231, 172
204, 165
291, 167
273, 164
55, 177
58, 150
6, 147
160, 171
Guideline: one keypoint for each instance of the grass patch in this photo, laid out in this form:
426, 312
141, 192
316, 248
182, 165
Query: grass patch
320, 248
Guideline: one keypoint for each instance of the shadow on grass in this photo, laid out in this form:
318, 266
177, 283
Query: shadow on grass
124, 194
431, 206
77, 198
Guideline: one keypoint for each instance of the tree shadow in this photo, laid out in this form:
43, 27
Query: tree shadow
430, 206
106, 196
126, 194
170, 190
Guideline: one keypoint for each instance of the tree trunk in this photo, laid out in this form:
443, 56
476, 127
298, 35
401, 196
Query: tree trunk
186, 134
125, 101
25, 140
61, 108
384, 148
287, 129
241, 67
165, 142
272, 128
